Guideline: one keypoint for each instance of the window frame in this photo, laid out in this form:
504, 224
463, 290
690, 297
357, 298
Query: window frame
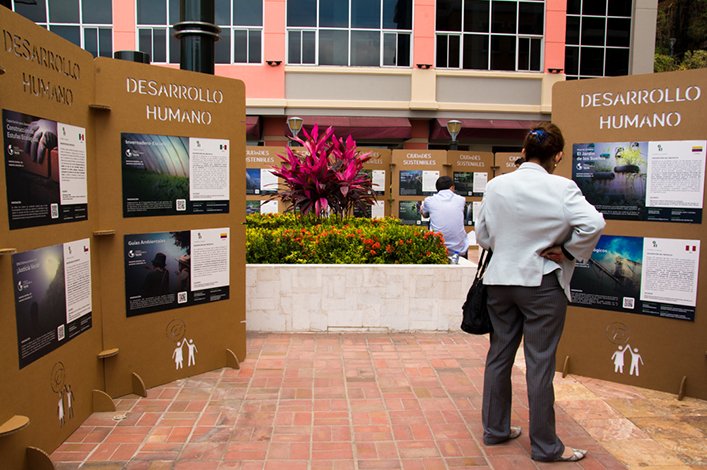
231, 39
579, 46
489, 35
81, 25
381, 30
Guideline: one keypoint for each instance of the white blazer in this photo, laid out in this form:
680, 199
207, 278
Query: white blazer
527, 211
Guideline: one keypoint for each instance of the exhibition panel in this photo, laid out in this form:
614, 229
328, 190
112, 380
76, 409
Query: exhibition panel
636, 147
121, 233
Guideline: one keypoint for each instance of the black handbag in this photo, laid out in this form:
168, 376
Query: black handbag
475, 313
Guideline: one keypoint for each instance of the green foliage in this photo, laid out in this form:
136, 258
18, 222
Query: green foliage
288, 239
691, 60
664, 63
694, 60
324, 174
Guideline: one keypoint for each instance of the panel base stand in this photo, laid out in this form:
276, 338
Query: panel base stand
139, 386
102, 401
232, 360
37, 459
683, 388
13, 425
566, 367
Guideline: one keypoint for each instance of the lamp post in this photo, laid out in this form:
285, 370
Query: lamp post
294, 124
454, 127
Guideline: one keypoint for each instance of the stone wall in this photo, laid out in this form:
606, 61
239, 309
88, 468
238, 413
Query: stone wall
285, 297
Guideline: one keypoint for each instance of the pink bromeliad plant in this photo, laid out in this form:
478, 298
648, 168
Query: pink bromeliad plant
324, 174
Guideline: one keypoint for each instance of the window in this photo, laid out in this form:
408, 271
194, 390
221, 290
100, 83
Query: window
365, 33
86, 23
598, 38
490, 34
241, 23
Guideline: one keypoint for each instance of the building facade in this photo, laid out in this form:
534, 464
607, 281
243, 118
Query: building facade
390, 72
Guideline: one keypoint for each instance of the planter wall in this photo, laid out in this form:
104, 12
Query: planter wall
289, 298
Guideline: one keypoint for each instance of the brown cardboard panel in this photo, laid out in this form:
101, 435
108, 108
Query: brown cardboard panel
423, 160
470, 162
31, 56
630, 109
264, 157
380, 160
157, 100
505, 162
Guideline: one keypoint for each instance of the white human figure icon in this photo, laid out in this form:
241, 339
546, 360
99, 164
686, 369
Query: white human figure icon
69, 401
635, 357
618, 358
60, 409
178, 356
191, 347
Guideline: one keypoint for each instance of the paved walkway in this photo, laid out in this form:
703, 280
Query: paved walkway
375, 401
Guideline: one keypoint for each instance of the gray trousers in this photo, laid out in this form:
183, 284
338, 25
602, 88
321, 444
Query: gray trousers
536, 314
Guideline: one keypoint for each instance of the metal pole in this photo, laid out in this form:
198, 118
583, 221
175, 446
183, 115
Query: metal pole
197, 34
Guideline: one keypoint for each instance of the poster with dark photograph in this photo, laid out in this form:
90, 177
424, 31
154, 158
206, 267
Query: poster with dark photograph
170, 175
52, 297
166, 270
409, 213
260, 181
45, 169
418, 182
652, 181
377, 178
374, 211
469, 215
262, 207
648, 276
411, 182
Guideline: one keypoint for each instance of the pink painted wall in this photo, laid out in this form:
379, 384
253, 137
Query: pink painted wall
261, 81
124, 20
555, 28
423, 32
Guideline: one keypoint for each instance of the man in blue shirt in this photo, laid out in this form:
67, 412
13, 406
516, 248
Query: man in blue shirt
446, 212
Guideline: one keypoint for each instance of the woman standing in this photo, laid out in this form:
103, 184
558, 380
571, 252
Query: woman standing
537, 225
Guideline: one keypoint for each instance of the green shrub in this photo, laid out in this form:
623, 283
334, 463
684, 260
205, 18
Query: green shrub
289, 239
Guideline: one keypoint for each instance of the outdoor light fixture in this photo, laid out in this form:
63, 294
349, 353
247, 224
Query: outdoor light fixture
294, 124
553, 70
424, 66
454, 127
273, 63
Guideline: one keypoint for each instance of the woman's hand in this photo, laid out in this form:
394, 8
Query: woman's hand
554, 253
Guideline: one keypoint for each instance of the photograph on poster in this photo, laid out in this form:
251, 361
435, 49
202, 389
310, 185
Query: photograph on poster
652, 181
656, 277
170, 175
52, 297
463, 183
166, 270
45, 169
409, 213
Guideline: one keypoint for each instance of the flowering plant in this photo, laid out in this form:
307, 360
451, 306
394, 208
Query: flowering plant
324, 175
284, 238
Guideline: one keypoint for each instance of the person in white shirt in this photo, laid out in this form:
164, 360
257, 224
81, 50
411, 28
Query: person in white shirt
446, 212
537, 224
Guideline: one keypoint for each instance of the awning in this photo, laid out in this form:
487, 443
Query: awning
252, 127
363, 128
475, 128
